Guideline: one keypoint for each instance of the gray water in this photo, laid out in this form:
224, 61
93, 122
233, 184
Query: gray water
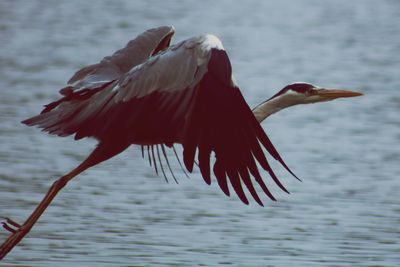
346, 212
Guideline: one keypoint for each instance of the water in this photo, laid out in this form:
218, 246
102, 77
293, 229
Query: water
345, 213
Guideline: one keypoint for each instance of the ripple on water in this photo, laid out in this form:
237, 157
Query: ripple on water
344, 213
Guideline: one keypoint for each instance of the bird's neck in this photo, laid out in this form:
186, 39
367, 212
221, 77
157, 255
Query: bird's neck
269, 107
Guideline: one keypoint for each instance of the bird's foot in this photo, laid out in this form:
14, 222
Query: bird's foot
10, 225
17, 233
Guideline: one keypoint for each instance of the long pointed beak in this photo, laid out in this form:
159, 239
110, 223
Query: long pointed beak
330, 94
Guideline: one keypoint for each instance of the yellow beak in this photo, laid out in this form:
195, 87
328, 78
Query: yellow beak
330, 94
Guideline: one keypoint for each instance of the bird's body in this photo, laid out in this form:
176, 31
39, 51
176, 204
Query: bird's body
155, 95
182, 94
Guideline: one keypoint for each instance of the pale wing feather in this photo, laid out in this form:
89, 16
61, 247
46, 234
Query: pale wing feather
173, 70
113, 67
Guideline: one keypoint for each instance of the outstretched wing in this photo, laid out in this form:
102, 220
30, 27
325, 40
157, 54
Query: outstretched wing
185, 95
222, 123
149, 104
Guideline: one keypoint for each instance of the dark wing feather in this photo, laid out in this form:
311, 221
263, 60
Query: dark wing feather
222, 122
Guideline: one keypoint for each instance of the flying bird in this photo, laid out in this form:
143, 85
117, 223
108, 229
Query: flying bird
155, 95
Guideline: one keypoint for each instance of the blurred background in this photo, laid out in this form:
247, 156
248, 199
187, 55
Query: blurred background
346, 212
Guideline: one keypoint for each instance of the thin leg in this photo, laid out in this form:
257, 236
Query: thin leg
101, 153
18, 234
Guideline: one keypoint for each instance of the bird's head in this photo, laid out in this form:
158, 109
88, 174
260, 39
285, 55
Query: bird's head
299, 93
305, 93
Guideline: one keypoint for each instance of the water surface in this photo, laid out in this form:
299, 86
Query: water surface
346, 212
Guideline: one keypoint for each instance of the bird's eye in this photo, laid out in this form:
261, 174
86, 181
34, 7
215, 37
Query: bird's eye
311, 92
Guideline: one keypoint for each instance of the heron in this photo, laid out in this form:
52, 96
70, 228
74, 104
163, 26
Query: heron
157, 95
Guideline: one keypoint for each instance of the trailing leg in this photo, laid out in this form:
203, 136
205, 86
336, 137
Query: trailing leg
101, 153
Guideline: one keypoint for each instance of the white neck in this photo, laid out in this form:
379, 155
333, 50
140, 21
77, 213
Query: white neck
265, 109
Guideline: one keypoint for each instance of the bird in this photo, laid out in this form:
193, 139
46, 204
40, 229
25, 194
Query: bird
157, 95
